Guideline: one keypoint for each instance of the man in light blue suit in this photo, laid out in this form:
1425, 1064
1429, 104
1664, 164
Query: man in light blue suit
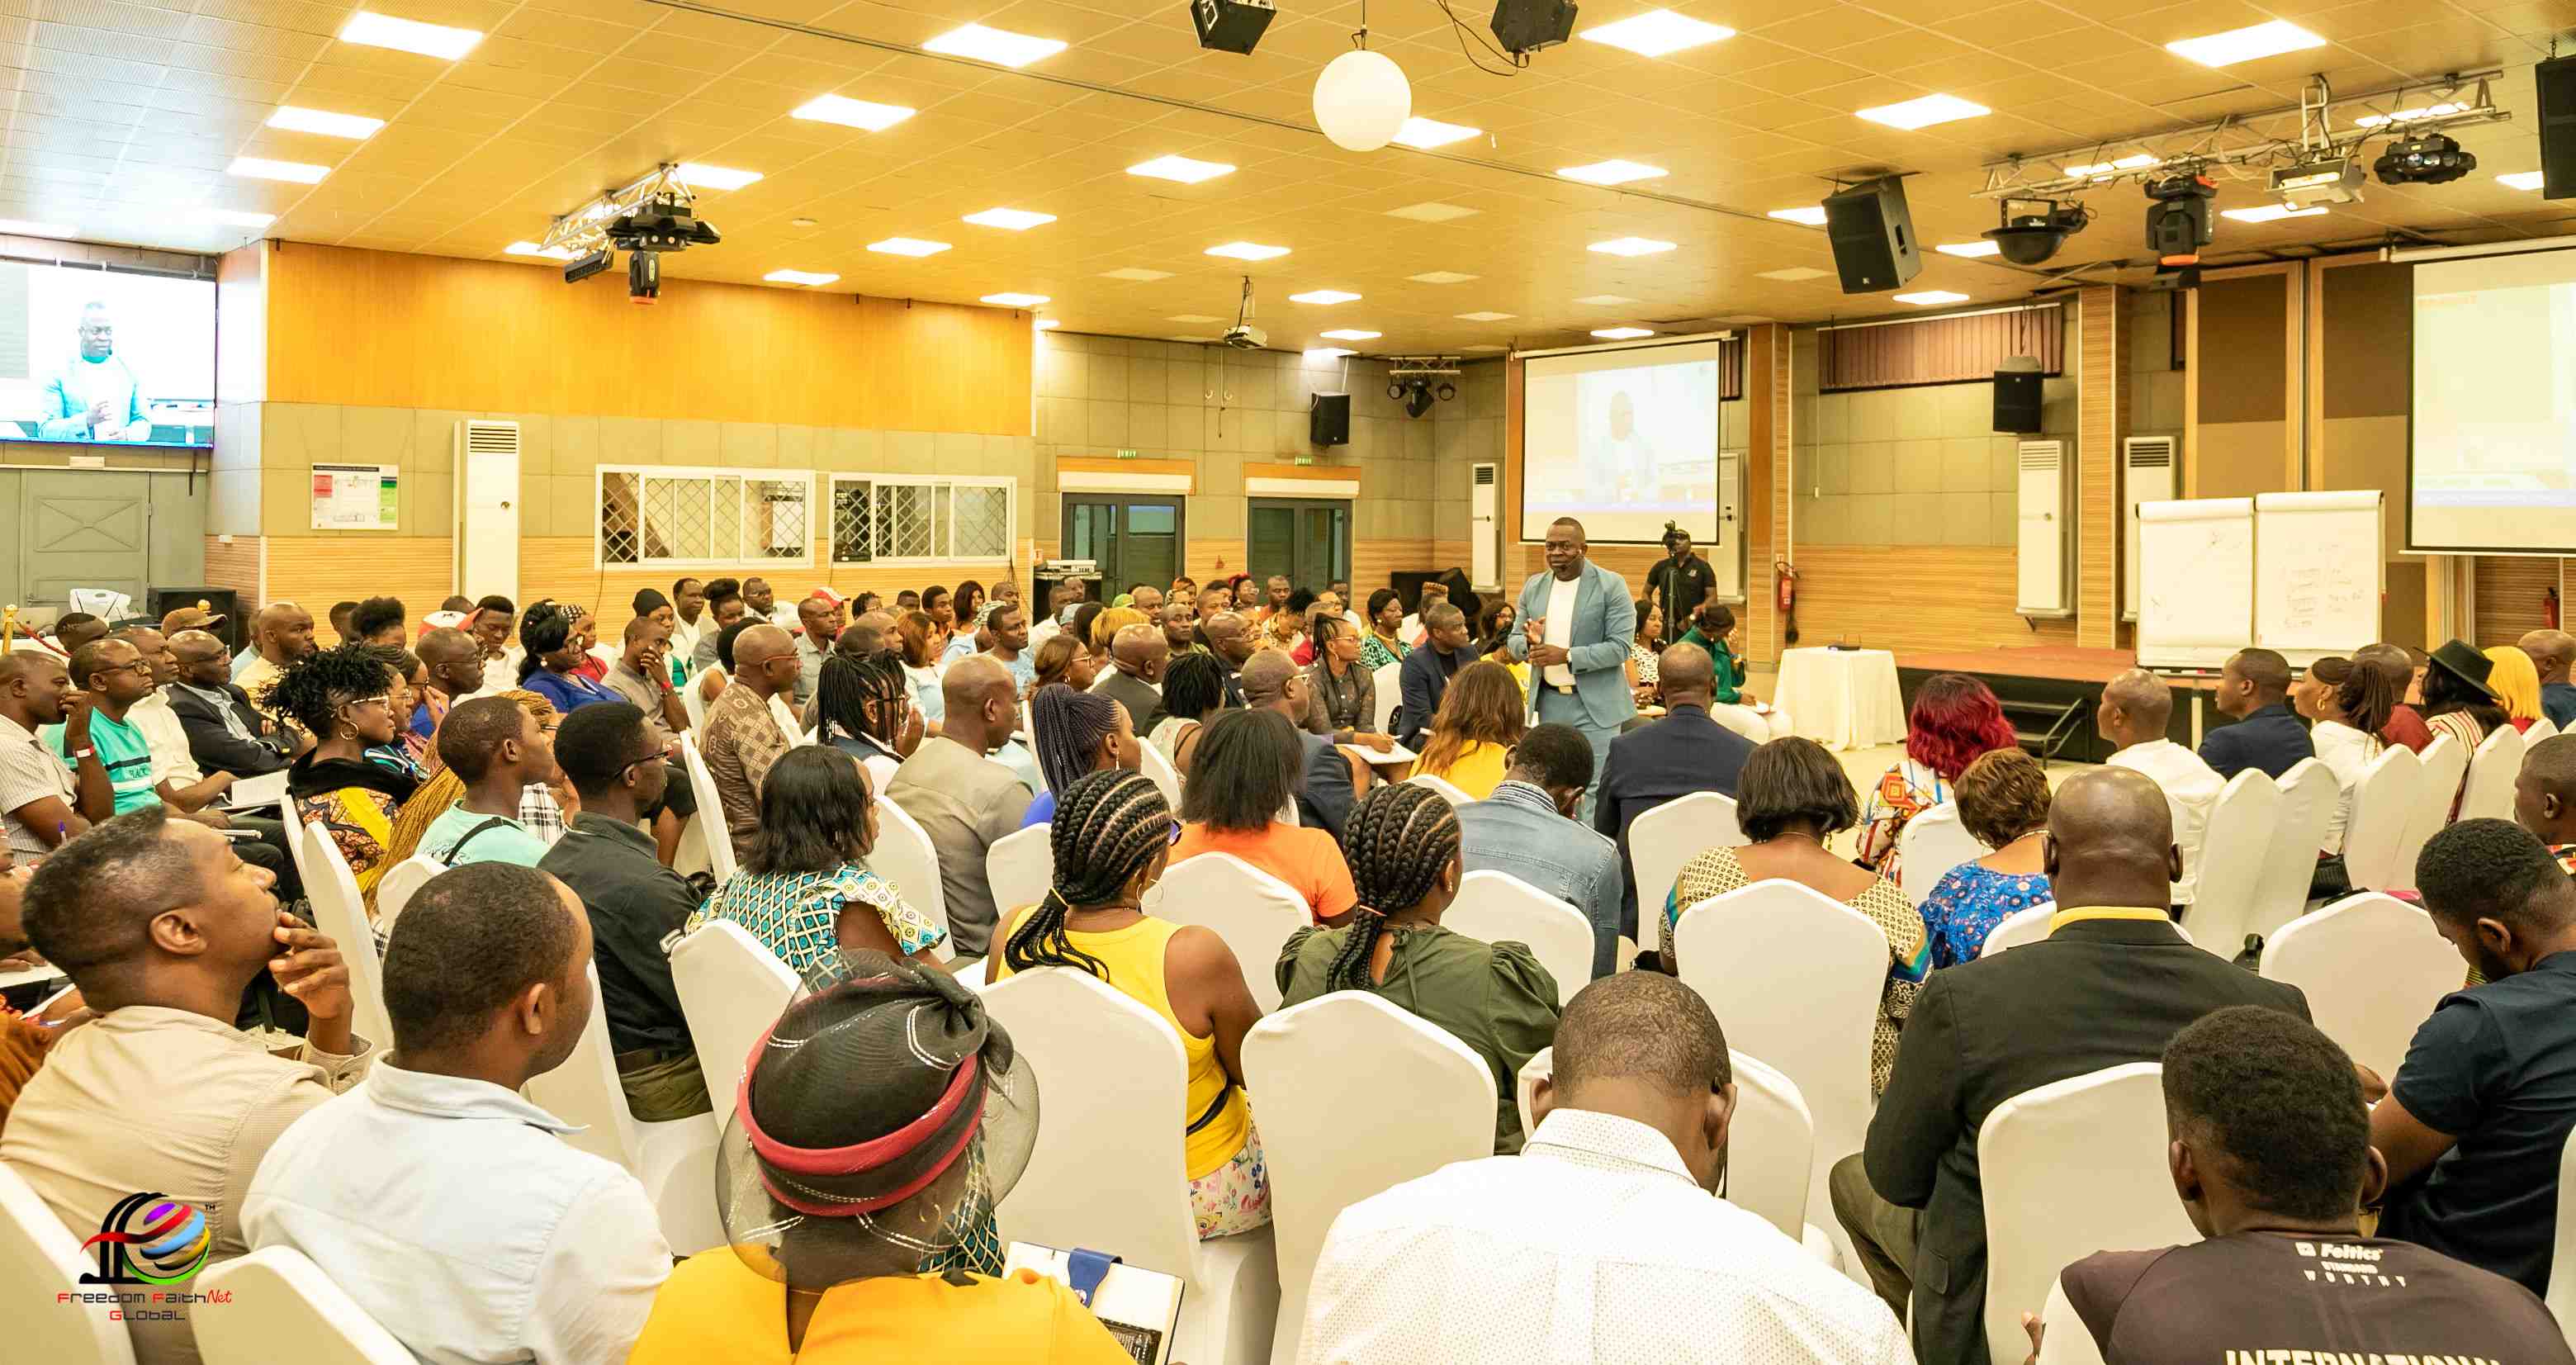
1574, 626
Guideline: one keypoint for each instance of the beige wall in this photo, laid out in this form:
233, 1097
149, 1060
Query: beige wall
1914, 466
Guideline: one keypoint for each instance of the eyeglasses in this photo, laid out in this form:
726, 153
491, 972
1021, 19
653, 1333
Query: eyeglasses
385, 701
1176, 832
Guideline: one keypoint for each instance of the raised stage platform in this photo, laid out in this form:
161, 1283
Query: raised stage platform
2039, 683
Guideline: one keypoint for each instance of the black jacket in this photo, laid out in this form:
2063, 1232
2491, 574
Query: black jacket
213, 745
2096, 993
2270, 739
1684, 752
637, 910
1422, 681
1144, 704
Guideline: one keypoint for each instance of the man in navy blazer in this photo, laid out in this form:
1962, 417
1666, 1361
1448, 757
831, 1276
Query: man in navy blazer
1575, 625
1684, 752
2252, 687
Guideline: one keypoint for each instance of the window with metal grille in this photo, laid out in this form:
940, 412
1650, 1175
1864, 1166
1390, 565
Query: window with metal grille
900, 519
666, 516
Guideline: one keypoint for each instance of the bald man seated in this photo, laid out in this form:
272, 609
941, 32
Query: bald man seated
962, 799
2112, 983
1686, 751
1134, 680
742, 734
2136, 708
2552, 652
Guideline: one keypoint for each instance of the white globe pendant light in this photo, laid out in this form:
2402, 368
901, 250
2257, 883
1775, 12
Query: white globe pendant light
1362, 100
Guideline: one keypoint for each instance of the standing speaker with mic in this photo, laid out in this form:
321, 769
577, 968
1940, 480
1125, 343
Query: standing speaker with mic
1328, 422
1872, 234
2555, 80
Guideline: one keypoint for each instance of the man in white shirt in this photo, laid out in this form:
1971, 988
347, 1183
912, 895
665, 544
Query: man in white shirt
2136, 708
1601, 1241
446, 1204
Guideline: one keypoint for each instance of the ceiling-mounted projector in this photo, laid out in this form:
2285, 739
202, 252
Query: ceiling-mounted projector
2328, 180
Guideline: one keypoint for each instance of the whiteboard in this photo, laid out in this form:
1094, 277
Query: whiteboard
2317, 574
2195, 581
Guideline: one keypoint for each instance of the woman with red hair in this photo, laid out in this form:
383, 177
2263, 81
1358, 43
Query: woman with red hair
1955, 722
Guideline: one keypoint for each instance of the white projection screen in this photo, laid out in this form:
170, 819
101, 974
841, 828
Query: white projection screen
1622, 439
2492, 468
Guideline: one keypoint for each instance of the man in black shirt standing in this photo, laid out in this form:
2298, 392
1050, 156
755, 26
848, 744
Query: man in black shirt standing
638, 908
1680, 583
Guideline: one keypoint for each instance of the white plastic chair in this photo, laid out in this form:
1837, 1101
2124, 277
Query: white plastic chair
284, 1304
1167, 779
2019, 928
2308, 799
710, 819
2562, 1263
1388, 679
1107, 1172
401, 881
294, 824
1335, 1134
1664, 839
1498, 907
2492, 770
674, 1161
40, 1258
1770, 1145
905, 856
2065, 1339
1933, 843
2383, 805
1251, 910
2373, 968
2232, 855
2446, 768
2543, 728
732, 988
695, 704
1021, 866
1448, 791
2071, 1168
339, 912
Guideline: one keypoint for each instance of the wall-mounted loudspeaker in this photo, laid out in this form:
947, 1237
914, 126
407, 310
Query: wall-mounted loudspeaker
1872, 235
1328, 422
2555, 79
2017, 397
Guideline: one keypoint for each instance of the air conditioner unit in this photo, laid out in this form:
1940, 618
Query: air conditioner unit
2146, 475
2047, 539
487, 509
1484, 549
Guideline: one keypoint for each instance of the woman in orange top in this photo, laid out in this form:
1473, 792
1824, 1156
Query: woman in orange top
1241, 799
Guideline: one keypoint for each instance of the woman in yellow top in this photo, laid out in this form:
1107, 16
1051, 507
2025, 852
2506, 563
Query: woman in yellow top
881, 1103
1479, 720
1113, 834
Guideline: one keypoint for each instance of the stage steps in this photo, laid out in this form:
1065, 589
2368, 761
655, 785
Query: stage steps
2046, 728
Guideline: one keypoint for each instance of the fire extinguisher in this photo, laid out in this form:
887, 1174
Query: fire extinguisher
1787, 576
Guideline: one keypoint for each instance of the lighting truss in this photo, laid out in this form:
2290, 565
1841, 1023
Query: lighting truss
1421, 367
585, 229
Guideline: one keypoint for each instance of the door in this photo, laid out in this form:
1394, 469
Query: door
1306, 539
83, 529
1134, 540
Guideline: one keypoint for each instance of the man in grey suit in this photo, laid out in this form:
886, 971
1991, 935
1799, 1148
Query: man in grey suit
1575, 625
1137, 657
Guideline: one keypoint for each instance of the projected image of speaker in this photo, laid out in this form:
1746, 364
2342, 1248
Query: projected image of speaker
2555, 80
2017, 396
1328, 422
1872, 235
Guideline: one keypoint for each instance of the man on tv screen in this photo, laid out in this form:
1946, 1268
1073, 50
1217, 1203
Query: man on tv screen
96, 397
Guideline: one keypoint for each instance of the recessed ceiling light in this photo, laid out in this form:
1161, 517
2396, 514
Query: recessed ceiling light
1484, 315
1433, 211
1440, 277
1180, 168
17, 227
850, 113
1016, 220
1656, 33
351, 126
237, 217
1612, 172
1481, 346
1351, 334
1924, 112
1324, 296
2137, 162
2522, 180
1137, 273
1622, 333
1969, 248
804, 222
1192, 317
2246, 44
1929, 297
260, 168
1604, 300
551, 253
1630, 246
908, 246
799, 277
1016, 300
1427, 133
2272, 213
1813, 215
406, 35
1248, 251
700, 176
1328, 352
1795, 273
2409, 115
1001, 47
1048, 324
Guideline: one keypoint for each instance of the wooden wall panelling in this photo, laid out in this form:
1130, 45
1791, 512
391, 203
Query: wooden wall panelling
1766, 488
2101, 400
1374, 562
1948, 597
234, 562
314, 571
2512, 595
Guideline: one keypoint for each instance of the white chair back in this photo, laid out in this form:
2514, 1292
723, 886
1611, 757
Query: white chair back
1934, 842
904, 856
1167, 779
881, 770
2308, 799
1020, 866
339, 912
280, 1296
1335, 1134
1448, 791
710, 817
2492, 770
2019, 928
2445, 769
1251, 910
694, 703
584, 1090
2071, 1168
2373, 968
732, 988
1498, 907
2065, 1340
1388, 679
41, 1257
395, 889
2231, 861
2543, 728
294, 823
1770, 1146
2562, 1264
1663, 840
2383, 805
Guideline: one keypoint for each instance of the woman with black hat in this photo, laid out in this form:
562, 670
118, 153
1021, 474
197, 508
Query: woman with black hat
2458, 703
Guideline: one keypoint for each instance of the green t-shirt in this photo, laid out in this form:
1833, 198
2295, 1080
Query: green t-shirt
507, 842
126, 754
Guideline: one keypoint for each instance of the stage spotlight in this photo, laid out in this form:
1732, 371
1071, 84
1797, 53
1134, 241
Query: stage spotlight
2038, 230
2428, 159
1446, 391
643, 276
1525, 26
1418, 400
2329, 180
1395, 388
582, 267
2178, 220
1231, 25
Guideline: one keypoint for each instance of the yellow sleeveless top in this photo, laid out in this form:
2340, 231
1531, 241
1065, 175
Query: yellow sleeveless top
1133, 957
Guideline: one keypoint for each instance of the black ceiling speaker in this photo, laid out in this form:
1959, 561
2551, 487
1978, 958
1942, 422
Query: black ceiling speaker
2034, 234
1525, 26
1231, 25
2555, 80
1872, 234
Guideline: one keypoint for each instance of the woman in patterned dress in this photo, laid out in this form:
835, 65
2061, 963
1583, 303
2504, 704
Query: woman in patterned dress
2003, 802
1954, 722
805, 890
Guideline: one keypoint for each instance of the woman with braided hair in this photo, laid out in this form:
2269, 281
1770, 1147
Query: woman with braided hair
1076, 733
863, 707
1402, 845
1112, 836
1193, 692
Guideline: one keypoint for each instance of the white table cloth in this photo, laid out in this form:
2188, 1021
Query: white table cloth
1842, 698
